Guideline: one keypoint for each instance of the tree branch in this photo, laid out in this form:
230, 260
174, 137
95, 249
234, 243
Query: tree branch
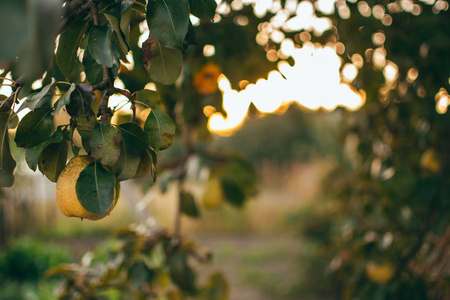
103, 110
94, 11
107, 83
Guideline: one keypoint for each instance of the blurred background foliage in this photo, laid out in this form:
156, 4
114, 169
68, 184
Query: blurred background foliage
352, 204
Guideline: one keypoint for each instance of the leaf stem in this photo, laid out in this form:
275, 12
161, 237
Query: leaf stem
9, 102
130, 97
177, 228
6, 78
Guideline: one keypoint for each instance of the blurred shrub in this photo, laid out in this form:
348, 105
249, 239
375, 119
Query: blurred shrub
296, 135
27, 260
12, 290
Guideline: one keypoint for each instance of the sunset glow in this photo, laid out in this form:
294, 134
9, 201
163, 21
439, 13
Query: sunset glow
313, 82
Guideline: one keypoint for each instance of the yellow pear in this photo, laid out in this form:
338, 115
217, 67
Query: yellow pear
66, 195
379, 273
213, 195
429, 161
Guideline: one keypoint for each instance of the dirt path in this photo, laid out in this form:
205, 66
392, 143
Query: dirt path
258, 267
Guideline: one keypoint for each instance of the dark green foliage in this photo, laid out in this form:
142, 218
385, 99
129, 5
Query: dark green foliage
139, 264
27, 260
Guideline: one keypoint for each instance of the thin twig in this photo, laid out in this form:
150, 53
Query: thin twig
6, 78
9, 102
130, 97
177, 229
94, 12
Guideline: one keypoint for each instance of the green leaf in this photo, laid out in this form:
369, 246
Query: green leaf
217, 287
203, 9
94, 71
42, 98
135, 141
145, 165
238, 181
133, 135
168, 21
69, 41
180, 272
149, 98
13, 122
116, 27
166, 65
85, 126
160, 129
36, 127
139, 274
64, 99
100, 47
32, 154
125, 20
95, 189
53, 159
188, 206
7, 162
128, 163
45, 101
80, 101
104, 144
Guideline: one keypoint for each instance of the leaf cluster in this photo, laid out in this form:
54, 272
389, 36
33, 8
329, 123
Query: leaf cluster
141, 266
94, 38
